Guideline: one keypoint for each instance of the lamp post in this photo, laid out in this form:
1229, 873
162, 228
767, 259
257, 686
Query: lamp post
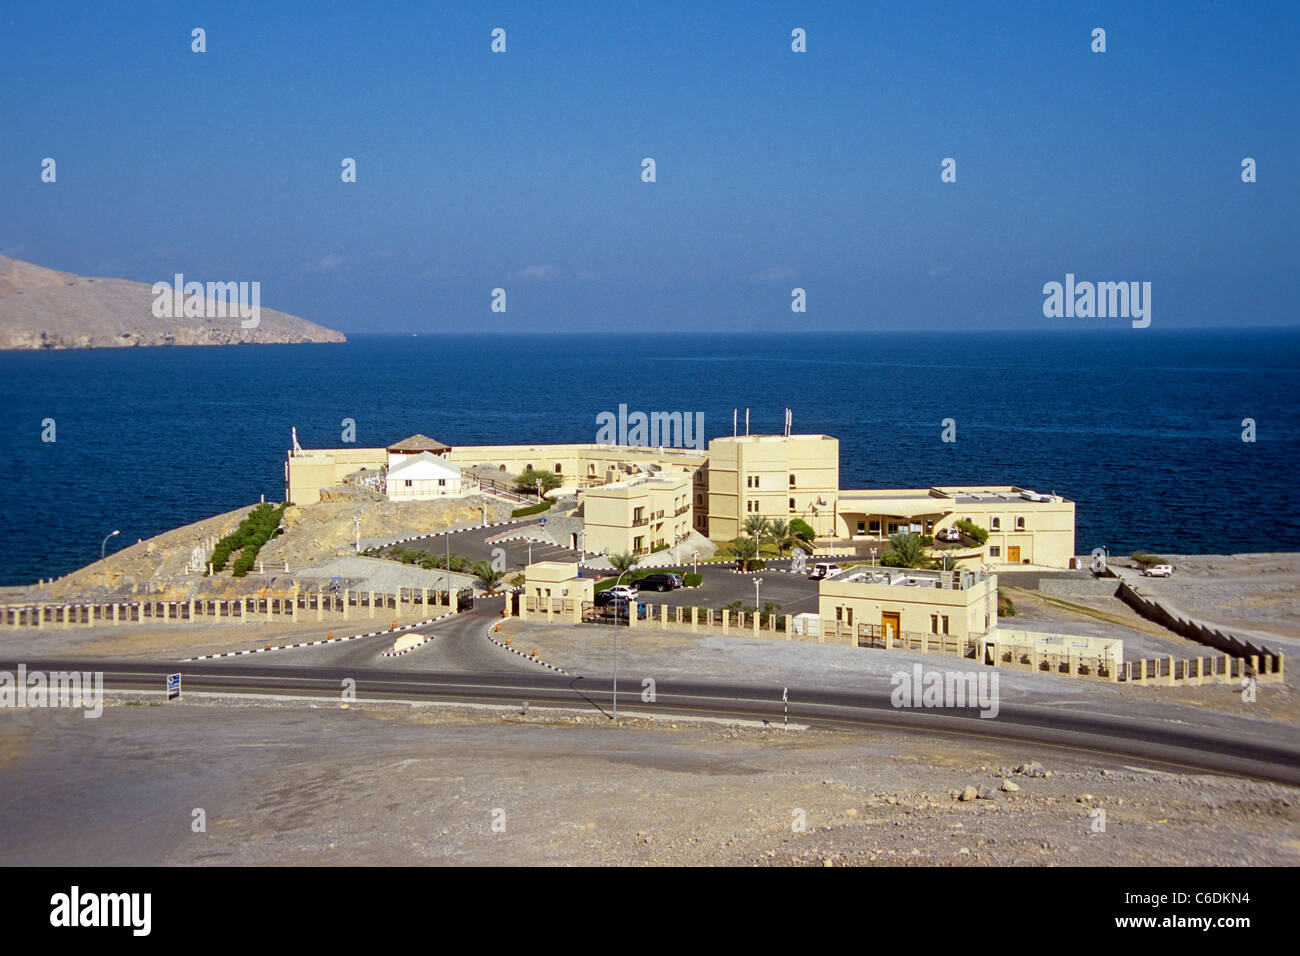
758, 604
695, 557
102, 560
630, 610
356, 520
873, 557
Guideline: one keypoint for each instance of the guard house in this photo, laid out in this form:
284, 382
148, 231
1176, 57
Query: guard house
554, 592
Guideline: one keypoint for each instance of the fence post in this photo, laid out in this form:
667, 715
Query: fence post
695, 618
789, 627
345, 604
243, 610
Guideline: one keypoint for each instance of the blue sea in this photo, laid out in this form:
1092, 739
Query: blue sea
1142, 428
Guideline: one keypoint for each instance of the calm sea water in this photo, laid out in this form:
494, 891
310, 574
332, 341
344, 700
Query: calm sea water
1141, 428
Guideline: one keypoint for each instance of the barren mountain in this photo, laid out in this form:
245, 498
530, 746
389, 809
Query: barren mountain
44, 309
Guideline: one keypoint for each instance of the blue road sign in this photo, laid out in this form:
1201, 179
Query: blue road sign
173, 686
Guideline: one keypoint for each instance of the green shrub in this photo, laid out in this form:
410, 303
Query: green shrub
1005, 607
802, 529
1145, 559
660, 547
971, 529
691, 579
253, 531
531, 509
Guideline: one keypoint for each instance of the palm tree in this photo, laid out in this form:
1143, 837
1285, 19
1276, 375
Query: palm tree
746, 549
910, 549
756, 526
488, 576
779, 534
623, 561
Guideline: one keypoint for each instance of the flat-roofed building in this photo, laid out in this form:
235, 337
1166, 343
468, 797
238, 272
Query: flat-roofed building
775, 476
880, 602
1024, 527
555, 591
637, 515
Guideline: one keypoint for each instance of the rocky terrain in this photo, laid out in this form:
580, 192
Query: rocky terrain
45, 309
315, 783
314, 534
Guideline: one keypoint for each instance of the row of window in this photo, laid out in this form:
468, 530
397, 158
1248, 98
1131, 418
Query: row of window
751, 481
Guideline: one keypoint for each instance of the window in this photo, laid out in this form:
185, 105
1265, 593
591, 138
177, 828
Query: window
699, 500
929, 525
944, 620
407, 482
995, 523
995, 551
862, 527
792, 484
638, 544
934, 623
442, 482
1020, 522
874, 525
792, 508
893, 527
558, 467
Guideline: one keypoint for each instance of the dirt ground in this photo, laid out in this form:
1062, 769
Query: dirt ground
297, 783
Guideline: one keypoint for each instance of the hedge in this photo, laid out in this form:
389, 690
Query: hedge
531, 509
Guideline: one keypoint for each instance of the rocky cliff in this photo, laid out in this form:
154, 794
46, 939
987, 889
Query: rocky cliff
45, 309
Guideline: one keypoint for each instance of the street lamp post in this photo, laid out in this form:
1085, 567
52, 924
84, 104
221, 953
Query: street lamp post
758, 604
631, 609
102, 560
873, 557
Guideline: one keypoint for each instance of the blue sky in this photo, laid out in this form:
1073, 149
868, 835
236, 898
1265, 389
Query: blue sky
819, 170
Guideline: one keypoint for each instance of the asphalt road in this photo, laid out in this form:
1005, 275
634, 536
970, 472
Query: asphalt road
473, 544
1175, 748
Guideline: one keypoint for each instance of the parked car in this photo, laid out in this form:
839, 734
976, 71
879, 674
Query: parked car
624, 591
602, 598
617, 608
660, 582
823, 569
948, 534
1159, 571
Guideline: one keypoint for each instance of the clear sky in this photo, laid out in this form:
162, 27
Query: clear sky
775, 169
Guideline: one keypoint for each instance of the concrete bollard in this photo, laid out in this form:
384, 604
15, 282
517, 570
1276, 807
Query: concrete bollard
243, 610
114, 613
370, 601
663, 616
192, 618
726, 620
695, 618
789, 627
346, 598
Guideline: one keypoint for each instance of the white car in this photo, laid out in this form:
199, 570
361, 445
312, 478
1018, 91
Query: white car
1159, 571
948, 534
824, 570
628, 591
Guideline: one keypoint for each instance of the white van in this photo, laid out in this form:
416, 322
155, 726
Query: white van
823, 569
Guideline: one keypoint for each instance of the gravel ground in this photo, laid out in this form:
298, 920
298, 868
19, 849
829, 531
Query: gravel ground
293, 783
